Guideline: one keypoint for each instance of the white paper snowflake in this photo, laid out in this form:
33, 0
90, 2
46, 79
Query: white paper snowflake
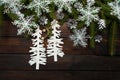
25, 24
43, 20
13, 6
39, 6
79, 37
64, 4
39, 56
115, 6
72, 23
88, 13
54, 47
1, 2
98, 38
101, 24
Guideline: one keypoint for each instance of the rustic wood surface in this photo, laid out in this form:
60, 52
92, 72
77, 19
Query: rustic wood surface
77, 64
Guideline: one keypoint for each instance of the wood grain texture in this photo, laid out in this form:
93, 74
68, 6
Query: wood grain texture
68, 62
59, 75
21, 45
77, 64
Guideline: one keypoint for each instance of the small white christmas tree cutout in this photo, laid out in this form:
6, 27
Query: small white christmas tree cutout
54, 47
39, 56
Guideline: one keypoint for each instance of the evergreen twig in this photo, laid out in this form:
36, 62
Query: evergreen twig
1, 16
92, 33
112, 37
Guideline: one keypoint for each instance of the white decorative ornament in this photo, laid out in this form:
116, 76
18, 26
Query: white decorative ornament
64, 4
88, 13
39, 6
54, 47
25, 24
13, 6
115, 6
98, 38
79, 37
39, 56
101, 24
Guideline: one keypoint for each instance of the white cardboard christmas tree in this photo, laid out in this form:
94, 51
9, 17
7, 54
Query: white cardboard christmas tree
54, 47
39, 56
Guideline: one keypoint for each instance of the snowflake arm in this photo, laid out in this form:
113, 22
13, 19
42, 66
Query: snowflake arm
12, 5
101, 24
54, 47
1, 2
25, 24
79, 37
64, 4
38, 57
98, 38
88, 13
39, 6
72, 24
115, 8
43, 20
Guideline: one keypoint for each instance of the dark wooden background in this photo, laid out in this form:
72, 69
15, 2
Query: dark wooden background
77, 64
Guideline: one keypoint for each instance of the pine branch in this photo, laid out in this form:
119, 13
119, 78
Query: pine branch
112, 37
1, 16
92, 34
12, 16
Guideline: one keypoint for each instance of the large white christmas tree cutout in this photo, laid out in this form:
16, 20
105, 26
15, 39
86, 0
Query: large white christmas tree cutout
39, 56
54, 47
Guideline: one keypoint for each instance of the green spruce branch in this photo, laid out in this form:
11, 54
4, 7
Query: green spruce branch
112, 37
105, 13
1, 16
92, 34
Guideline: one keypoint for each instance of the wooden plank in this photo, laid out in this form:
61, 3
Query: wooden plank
14, 45
59, 75
68, 62
8, 29
21, 45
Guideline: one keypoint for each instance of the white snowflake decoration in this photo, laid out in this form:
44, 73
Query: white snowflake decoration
39, 56
98, 38
89, 12
79, 37
39, 6
101, 24
64, 4
1, 2
25, 24
43, 21
13, 6
115, 6
54, 47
